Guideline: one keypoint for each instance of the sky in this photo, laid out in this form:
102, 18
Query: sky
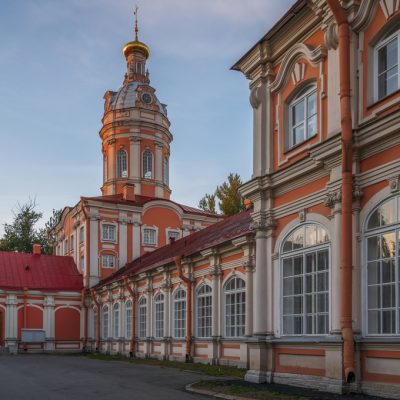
59, 57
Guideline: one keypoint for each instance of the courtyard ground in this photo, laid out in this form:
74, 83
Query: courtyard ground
77, 377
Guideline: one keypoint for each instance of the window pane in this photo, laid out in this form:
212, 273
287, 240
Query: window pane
298, 113
373, 273
374, 220
287, 267
374, 297
311, 105
298, 134
387, 56
373, 248
298, 238
373, 322
388, 322
388, 245
311, 235
311, 126
386, 211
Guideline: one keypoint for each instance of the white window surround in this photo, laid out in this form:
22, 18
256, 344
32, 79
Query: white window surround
147, 164
179, 313
159, 311
145, 237
234, 299
109, 232
305, 251
309, 115
393, 39
142, 317
204, 311
128, 319
381, 291
116, 320
122, 164
175, 233
108, 261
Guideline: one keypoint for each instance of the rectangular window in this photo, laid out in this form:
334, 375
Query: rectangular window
173, 235
159, 318
109, 233
81, 234
82, 263
108, 261
179, 318
149, 236
65, 247
387, 56
72, 243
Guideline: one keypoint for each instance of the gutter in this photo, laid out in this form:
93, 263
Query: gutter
189, 285
133, 330
346, 269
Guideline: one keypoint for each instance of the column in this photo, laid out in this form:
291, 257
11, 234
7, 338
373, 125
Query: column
249, 268
111, 164
11, 323
135, 240
94, 250
49, 316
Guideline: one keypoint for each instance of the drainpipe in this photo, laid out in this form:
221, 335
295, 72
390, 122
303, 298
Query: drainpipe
188, 282
347, 189
98, 319
85, 321
133, 330
25, 322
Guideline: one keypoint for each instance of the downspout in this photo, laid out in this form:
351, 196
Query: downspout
347, 190
98, 319
25, 322
188, 282
133, 330
85, 321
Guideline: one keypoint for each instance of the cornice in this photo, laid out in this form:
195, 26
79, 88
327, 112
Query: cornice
364, 15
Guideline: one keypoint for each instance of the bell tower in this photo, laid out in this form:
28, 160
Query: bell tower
135, 133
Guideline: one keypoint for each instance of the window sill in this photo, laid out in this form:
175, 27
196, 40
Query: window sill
378, 102
298, 145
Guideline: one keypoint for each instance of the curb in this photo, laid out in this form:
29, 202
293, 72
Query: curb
211, 393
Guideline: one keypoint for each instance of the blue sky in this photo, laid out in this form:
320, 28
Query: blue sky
58, 58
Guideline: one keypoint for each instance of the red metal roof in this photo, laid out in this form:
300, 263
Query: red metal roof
142, 200
228, 229
38, 272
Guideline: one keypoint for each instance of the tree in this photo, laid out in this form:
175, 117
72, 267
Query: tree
46, 236
230, 200
22, 234
207, 203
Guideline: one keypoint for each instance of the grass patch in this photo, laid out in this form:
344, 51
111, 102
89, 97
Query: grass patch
243, 389
212, 370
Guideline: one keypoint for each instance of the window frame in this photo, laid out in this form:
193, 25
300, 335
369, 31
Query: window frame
200, 317
142, 318
235, 291
382, 43
108, 255
301, 95
107, 239
116, 313
149, 164
175, 301
128, 319
148, 229
380, 231
174, 231
105, 311
303, 252
159, 300
122, 172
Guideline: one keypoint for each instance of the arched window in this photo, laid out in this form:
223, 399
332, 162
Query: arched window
128, 319
105, 322
180, 313
166, 171
139, 68
204, 311
147, 164
116, 320
382, 240
94, 326
142, 317
159, 315
122, 165
235, 307
302, 112
305, 281
387, 66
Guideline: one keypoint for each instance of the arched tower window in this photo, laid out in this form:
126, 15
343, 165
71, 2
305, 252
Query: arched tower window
305, 281
235, 307
147, 164
382, 239
166, 171
122, 165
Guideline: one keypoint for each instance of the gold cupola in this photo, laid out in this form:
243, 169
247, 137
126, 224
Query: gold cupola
136, 45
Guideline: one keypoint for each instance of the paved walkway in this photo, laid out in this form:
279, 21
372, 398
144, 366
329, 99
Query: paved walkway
53, 377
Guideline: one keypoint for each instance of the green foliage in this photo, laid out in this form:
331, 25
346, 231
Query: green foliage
230, 201
207, 203
22, 234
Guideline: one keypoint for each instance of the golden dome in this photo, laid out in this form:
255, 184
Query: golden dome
136, 46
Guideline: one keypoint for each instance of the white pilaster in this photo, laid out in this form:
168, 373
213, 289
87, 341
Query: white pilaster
123, 242
94, 250
135, 240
